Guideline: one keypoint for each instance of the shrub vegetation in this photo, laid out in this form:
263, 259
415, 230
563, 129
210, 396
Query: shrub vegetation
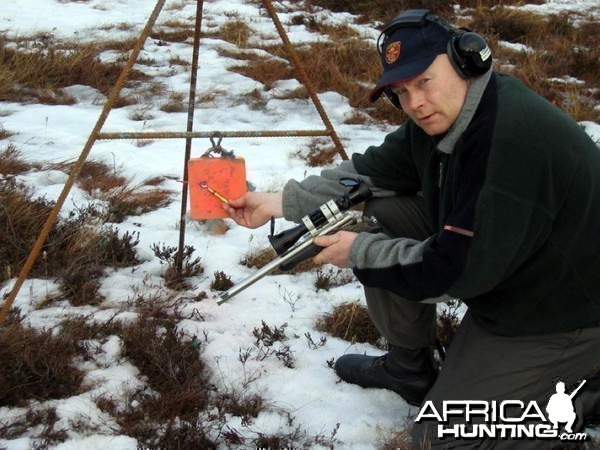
178, 404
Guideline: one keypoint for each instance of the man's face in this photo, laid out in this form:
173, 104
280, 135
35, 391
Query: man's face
434, 98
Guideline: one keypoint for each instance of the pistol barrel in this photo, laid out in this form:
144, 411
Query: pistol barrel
281, 259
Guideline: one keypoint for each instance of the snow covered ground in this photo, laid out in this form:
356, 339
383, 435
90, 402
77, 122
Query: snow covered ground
44, 133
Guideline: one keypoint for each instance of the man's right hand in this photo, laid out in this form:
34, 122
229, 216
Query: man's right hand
254, 209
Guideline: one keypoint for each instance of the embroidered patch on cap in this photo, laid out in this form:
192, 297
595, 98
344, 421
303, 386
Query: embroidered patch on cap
392, 52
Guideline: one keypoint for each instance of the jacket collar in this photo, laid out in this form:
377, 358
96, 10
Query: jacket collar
474, 94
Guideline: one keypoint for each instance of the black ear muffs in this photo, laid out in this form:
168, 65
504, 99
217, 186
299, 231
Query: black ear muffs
469, 54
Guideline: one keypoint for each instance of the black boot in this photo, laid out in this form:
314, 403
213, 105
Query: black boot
410, 373
590, 399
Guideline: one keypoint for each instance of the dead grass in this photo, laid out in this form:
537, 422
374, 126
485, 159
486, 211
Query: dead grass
178, 406
267, 71
170, 362
372, 9
318, 153
399, 440
33, 72
41, 365
561, 48
4, 133
78, 253
167, 411
175, 33
264, 256
380, 9
335, 63
43, 420
21, 219
124, 198
512, 25
546, 73
329, 277
351, 322
36, 365
174, 104
235, 31
96, 176
76, 250
11, 161
342, 55
557, 50
448, 322
348, 64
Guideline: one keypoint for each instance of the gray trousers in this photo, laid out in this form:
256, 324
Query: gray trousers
479, 365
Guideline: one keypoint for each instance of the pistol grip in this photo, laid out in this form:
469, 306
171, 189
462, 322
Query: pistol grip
308, 252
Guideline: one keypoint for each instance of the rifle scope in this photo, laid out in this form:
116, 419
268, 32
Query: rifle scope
329, 212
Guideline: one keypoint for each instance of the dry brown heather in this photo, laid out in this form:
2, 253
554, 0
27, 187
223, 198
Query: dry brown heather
39, 366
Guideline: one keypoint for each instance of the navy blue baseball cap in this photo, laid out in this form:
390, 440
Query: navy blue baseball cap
408, 52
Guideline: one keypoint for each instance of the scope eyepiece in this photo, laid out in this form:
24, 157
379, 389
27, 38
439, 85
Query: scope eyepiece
327, 213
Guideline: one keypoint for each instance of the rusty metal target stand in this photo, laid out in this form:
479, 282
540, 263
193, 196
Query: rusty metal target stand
188, 135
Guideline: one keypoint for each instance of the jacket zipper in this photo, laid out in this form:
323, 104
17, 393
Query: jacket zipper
443, 158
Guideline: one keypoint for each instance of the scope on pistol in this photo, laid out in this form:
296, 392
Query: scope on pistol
327, 213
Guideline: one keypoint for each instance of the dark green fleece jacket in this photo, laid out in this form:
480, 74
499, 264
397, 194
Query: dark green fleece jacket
516, 206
